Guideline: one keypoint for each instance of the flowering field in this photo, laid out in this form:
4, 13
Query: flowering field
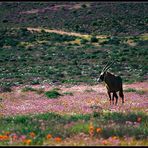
80, 115
51, 55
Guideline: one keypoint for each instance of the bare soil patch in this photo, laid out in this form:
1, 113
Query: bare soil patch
64, 32
54, 8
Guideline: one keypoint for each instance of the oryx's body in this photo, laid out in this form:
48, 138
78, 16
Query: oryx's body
113, 84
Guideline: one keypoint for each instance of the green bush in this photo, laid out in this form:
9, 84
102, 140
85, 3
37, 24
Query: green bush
94, 39
114, 40
25, 89
68, 93
5, 89
52, 94
38, 91
83, 6
34, 82
134, 90
83, 41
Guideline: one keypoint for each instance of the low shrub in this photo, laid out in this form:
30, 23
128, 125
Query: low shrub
94, 39
134, 90
38, 91
52, 94
5, 89
68, 93
25, 89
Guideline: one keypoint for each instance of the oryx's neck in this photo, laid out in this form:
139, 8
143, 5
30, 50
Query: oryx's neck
107, 76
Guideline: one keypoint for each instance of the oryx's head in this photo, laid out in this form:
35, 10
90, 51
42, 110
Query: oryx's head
102, 75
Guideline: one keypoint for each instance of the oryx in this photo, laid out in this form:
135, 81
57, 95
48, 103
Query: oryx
113, 84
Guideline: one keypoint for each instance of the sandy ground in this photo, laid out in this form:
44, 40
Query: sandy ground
64, 32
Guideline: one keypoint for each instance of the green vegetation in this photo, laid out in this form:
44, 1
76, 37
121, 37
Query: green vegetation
68, 93
5, 88
25, 89
38, 91
33, 57
52, 58
94, 39
111, 124
134, 90
52, 94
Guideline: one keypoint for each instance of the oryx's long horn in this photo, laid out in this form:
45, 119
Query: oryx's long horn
105, 66
109, 66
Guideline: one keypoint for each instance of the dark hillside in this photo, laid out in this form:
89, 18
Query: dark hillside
116, 18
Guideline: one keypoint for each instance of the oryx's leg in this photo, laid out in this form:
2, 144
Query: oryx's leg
113, 98
116, 96
121, 95
109, 94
